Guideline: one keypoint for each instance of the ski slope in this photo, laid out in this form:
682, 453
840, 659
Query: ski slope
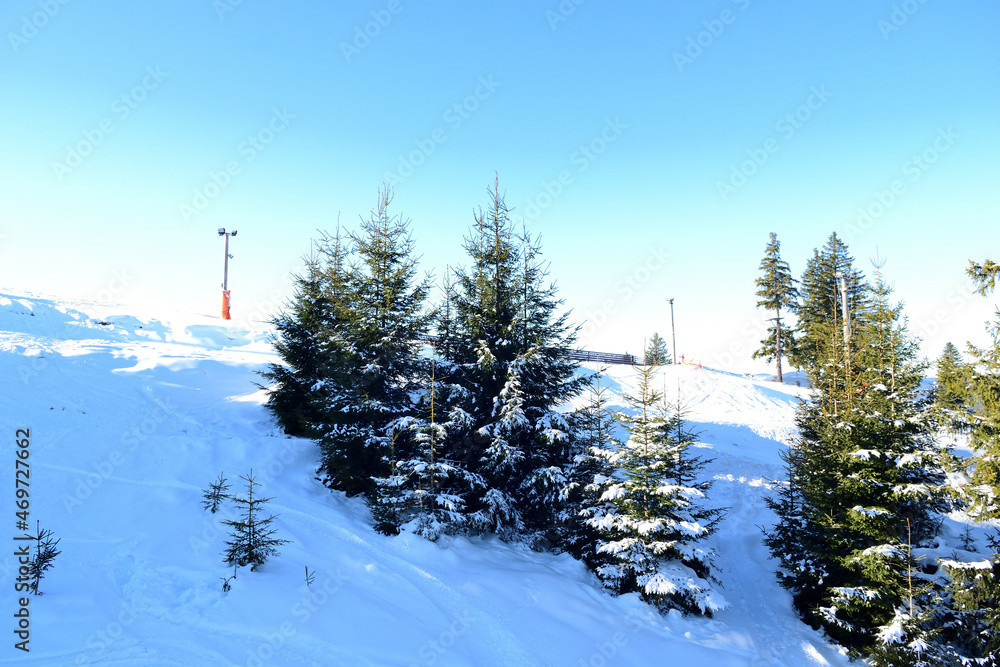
132, 415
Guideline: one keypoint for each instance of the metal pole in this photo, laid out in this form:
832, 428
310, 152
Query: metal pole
225, 272
673, 334
843, 303
847, 331
225, 276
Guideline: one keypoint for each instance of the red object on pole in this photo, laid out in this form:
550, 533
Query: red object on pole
225, 304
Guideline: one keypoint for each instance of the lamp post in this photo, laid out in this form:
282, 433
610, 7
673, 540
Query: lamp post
673, 335
225, 274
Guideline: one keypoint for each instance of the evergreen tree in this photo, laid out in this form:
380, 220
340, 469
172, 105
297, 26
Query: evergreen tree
776, 291
589, 473
428, 488
656, 352
818, 310
649, 532
984, 395
950, 395
42, 560
972, 623
373, 363
863, 475
507, 358
216, 493
303, 332
252, 539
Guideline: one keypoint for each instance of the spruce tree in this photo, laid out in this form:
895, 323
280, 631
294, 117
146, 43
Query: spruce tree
656, 351
984, 394
864, 479
818, 309
776, 291
303, 335
216, 493
950, 394
427, 491
373, 365
508, 360
971, 625
252, 539
589, 473
649, 533
43, 558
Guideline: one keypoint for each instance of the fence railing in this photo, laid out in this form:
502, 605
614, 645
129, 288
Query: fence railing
605, 357
578, 355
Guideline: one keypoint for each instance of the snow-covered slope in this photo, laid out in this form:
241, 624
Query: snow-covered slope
130, 417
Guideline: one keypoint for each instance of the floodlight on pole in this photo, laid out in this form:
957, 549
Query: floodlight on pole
225, 274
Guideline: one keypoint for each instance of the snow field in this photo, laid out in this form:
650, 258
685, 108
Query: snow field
132, 419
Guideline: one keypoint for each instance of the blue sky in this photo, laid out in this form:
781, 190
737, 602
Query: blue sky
652, 145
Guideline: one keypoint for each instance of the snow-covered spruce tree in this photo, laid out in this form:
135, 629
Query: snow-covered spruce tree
373, 365
688, 487
650, 533
252, 539
507, 357
972, 624
776, 291
588, 473
984, 395
305, 333
819, 301
427, 490
867, 481
656, 351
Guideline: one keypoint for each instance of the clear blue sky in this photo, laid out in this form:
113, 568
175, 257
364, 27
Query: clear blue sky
682, 133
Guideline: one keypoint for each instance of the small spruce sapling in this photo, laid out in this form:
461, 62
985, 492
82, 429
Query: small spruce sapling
252, 541
45, 554
217, 492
